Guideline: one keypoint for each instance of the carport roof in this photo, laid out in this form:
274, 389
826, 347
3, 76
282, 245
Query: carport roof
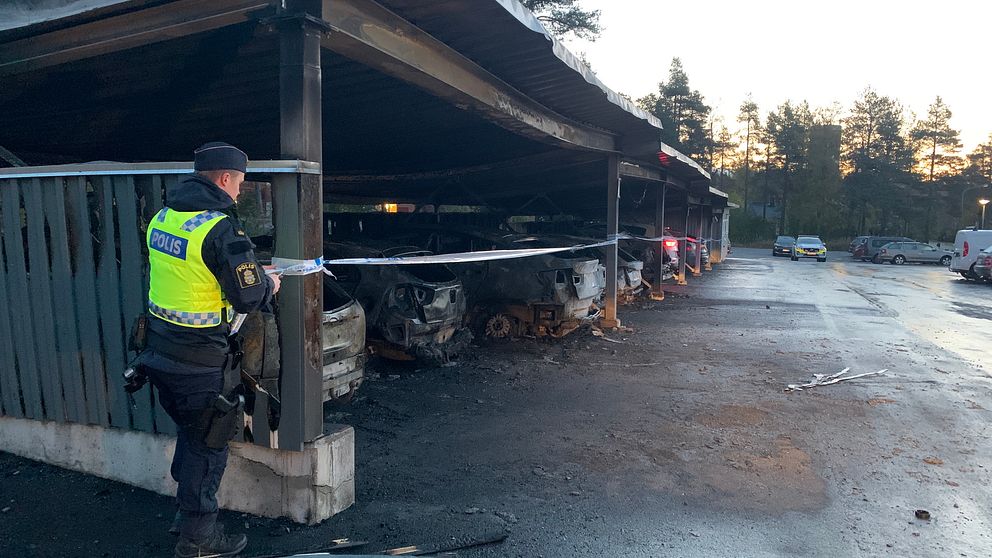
501, 36
509, 41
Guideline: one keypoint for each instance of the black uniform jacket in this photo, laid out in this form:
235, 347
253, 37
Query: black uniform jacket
228, 254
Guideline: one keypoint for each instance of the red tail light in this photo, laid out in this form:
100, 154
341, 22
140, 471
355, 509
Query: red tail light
965, 253
671, 243
988, 261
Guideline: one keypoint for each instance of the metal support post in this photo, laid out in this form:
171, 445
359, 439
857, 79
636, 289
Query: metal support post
698, 267
299, 227
612, 228
684, 253
657, 290
707, 218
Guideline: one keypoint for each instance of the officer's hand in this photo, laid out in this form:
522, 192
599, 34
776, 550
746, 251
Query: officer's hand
276, 281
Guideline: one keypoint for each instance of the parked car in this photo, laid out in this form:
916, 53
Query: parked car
857, 242
983, 264
901, 252
810, 247
412, 311
968, 243
546, 295
783, 246
869, 249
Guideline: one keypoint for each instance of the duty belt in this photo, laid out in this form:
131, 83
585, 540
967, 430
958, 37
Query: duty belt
184, 353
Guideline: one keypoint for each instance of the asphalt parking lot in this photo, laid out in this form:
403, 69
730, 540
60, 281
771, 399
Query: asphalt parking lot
673, 438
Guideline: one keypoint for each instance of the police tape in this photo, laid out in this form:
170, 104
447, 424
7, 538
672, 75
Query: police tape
289, 266
691, 240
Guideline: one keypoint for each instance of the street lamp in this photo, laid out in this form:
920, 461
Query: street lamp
983, 202
965, 191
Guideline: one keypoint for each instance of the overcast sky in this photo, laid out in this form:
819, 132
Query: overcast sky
804, 49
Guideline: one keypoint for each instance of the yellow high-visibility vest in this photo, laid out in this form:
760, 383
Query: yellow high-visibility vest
182, 290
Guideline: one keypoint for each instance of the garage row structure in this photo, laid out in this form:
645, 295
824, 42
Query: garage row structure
453, 103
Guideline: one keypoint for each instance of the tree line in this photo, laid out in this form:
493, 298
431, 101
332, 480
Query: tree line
870, 168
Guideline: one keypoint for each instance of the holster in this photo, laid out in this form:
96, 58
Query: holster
222, 421
137, 341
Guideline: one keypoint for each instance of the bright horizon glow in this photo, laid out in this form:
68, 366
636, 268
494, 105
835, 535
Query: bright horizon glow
830, 52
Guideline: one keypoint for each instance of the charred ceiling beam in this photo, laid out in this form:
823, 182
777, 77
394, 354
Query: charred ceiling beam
541, 162
129, 30
372, 35
628, 170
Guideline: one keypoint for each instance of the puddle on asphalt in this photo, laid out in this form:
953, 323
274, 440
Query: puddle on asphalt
973, 310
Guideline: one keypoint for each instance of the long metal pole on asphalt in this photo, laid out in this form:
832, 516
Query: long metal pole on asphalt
965, 191
658, 292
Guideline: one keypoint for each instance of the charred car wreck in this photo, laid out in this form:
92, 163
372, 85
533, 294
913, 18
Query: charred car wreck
629, 267
342, 335
546, 295
342, 345
413, 312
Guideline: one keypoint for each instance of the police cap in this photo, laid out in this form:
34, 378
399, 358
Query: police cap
217, 155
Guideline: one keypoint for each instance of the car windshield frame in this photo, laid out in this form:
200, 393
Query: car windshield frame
790, 240
809, 240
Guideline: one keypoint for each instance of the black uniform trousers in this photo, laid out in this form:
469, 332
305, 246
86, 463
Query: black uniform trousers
197, 468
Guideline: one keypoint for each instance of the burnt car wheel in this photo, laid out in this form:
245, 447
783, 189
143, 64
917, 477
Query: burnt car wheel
499, 326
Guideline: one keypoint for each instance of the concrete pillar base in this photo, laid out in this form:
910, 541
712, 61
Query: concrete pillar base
609, 324
697, 274
307, 486
708, 267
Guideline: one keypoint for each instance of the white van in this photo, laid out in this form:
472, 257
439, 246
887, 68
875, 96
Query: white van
967, 244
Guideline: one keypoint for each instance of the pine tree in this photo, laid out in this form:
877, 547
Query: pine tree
980, 160
682, 112
876, 157
938, 146
752, 121
788, 130
565, 16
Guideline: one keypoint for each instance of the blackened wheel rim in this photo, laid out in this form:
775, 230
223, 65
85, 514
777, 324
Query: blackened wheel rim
499, 326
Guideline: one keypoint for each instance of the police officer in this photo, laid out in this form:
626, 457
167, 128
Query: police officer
203, 272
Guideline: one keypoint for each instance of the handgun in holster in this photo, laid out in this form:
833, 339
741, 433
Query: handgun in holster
134, 376
223, 418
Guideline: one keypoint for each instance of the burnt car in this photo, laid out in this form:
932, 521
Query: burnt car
342, 334
691, 244
629, 249
544, 295
413, 311
629, 267
645, 251
343, 354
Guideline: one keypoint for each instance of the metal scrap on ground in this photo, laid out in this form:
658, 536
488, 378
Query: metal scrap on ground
825, 380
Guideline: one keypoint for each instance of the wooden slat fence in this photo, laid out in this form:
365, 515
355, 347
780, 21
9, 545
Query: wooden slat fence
73, 276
